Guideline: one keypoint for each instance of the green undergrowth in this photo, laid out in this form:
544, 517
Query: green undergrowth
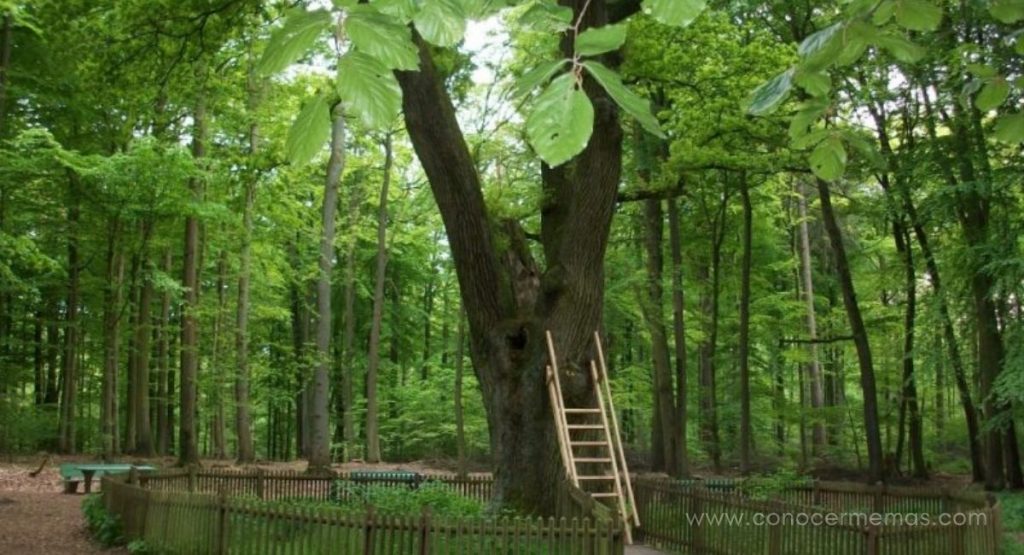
104, 525
436, 497
1012, 505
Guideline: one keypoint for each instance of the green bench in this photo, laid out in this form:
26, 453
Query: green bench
73, 473
412, 479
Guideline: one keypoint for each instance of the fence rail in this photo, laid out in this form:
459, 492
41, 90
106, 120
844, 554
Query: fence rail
216, 512
720, 518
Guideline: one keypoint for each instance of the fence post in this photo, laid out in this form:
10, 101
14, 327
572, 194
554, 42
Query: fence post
425, 531
192, 478
259, 484
994, 521
368, 532
878, 497
957, 540
871, 540
222, 521
133, 476
775, 537
698, 531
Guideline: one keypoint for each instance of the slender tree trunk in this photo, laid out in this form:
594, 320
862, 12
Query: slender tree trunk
219, 423
111, 339
320, 446
372, 433
143, 333
818, 436
460, 421
909, 400
679, 336
744, 339
67, 438
860, 335
652, 308
163, 362
188, 452
348, 339
243, 418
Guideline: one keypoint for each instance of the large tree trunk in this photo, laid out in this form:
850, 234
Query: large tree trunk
243, 418
373, 363
679, 336
653, 316
219, 431
69, 379
860, 335
744, 338
111, 339
188, 452
818, 435
349, 334
320, 437
509, 304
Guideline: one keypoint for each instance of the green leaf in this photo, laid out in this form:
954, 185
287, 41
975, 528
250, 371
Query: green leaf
806, 115
901, 48
992, 94
630, 102
546, 16
369, 89
1010, 128
854, 41
293, 39
1007, 11
379, 36
678, 13
600, 40
441, 22
981, 70
884, 12
811, 139
828, 160
310, 132
818, 41
918, 15
766, 98
537, 76
816, 84
561, 122
403, 10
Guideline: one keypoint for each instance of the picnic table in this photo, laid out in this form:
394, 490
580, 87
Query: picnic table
73, 473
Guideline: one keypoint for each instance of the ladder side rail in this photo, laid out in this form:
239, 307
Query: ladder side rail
617, 484
560, 411
563, 435
615, 426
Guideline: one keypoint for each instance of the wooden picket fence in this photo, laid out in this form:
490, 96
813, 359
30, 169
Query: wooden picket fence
215, 512
723, 519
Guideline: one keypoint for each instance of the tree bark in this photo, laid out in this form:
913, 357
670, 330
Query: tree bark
744, 333
219, 423
69, 379
163, 362
460, 421
909, 398
143, 333
818, 434
111, 339
652, 309
348, 339
320, 446
860, 335
679, 336
188, 452
372, 432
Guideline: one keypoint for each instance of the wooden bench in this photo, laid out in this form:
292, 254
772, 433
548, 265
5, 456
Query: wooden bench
73, 473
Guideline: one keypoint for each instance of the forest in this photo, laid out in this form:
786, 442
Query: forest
245, 230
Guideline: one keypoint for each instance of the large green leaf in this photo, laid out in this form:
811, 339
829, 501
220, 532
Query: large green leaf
816, 84
403, 10
679, 13
379, 35
1007, 11
992, 94
310, 132
818, 41
369, 89
293, 39
537, 76
630, 102
1010, 128
561, 122
542, 15
600, 40
828, 160
766, 98
918, 15
901, 48
441, 22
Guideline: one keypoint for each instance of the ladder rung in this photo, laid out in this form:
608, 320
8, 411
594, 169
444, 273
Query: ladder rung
604, 477
582, 411
585, 427
593, 460
588, 443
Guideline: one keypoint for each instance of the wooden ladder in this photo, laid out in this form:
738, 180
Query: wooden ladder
606, 452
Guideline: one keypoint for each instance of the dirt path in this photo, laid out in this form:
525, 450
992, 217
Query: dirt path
41, 523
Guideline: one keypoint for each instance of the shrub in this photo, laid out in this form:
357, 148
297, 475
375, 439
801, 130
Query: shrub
104, 525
